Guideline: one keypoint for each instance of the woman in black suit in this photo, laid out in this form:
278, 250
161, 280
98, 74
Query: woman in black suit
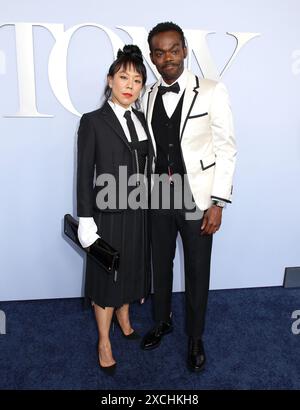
114, 140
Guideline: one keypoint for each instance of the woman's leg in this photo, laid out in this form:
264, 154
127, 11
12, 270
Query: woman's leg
103, 319
123, 318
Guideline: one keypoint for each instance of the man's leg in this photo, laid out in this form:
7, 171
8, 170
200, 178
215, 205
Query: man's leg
163, 242
197, 257
163, 237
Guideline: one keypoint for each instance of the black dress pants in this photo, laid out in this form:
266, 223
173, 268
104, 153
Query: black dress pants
165, 225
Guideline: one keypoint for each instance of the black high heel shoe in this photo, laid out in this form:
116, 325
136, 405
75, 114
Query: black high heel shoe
132, 336
108, 370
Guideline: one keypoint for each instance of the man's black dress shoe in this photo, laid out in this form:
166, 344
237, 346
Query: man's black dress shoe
196, 355
153, 338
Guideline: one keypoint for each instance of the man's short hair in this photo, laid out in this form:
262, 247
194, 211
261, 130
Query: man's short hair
163, 27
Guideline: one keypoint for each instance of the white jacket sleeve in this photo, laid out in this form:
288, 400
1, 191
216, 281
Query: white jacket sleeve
87, 231
224, 144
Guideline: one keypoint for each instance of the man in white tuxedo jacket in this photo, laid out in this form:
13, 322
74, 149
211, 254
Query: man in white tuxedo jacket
191, 125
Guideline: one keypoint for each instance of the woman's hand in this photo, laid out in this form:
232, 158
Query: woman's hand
87, 231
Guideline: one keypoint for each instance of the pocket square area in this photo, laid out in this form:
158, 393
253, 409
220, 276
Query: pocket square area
198, 115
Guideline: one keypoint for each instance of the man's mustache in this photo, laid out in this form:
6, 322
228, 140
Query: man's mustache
170, 65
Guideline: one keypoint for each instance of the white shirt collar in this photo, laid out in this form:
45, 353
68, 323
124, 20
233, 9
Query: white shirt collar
182, 80
118, 109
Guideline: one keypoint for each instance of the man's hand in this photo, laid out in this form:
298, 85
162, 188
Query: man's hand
211, 220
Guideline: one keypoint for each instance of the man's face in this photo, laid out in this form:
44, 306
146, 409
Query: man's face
168, 54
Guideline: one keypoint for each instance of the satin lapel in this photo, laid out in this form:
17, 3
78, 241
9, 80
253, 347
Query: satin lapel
112, 120
189, 99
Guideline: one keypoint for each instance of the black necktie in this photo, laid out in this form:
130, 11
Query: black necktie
174, 88
131, 127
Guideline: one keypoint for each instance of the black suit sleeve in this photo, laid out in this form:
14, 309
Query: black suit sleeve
85, 167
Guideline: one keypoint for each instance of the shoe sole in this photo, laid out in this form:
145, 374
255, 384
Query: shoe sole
158, 344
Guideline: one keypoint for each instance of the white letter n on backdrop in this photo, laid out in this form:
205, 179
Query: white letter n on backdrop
197, 44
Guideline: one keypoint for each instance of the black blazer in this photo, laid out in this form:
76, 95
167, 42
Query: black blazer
102, 146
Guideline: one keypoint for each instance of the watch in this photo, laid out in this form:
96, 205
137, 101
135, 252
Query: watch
220, 204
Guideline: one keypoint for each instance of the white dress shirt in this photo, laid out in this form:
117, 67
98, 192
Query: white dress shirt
120, 111
170, 99
87, 229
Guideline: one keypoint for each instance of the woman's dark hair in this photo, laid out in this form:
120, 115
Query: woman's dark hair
131, 55
163, 27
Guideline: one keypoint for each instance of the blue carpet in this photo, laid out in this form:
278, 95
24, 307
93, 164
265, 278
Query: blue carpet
51, 344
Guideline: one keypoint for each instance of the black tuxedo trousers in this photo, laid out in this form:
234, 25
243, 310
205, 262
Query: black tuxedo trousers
165, 225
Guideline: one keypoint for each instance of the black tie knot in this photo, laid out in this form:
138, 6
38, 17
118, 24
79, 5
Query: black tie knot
127, 115
174, 88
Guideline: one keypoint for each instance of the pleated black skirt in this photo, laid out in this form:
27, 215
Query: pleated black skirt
126, 231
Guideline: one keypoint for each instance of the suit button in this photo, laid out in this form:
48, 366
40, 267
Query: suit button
138, 183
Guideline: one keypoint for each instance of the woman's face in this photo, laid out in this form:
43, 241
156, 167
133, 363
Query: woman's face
126, 86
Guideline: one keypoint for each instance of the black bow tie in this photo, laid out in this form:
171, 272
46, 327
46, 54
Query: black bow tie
174, 88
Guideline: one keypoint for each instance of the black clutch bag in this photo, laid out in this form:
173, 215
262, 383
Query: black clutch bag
100, 251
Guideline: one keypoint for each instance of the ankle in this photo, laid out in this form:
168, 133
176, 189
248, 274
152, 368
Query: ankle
104, 345
105, 354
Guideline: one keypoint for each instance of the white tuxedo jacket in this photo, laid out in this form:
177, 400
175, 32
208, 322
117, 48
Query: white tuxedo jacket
207, 138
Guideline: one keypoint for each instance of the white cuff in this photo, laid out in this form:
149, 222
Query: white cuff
87, 231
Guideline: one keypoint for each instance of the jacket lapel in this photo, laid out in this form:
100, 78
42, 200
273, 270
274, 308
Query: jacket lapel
190, 95
112, 120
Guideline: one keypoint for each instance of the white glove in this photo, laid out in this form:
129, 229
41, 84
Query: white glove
87, 231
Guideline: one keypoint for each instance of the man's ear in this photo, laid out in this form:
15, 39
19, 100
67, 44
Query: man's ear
185, 51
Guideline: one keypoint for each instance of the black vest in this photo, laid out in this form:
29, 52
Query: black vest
166, 133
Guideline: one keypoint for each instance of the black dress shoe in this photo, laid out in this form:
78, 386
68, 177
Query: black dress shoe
153, 338
196, 355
